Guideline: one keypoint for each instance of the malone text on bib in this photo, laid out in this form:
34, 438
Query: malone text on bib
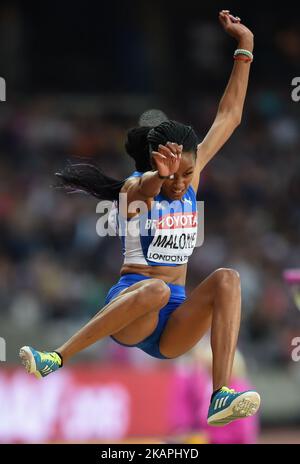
175, 238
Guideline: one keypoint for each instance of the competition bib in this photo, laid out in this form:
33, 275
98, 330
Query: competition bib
174, 239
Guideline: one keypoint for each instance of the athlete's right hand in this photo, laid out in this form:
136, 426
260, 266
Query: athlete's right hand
167, 158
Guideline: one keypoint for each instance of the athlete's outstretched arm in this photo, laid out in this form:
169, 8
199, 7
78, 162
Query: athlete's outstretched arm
232, 102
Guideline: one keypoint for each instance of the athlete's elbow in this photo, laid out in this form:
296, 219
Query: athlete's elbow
230, 119
238, 120
235, 119
149, 192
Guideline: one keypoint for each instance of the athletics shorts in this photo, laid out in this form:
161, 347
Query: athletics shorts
150, 344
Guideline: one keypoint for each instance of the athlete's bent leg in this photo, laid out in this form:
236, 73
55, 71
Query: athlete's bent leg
215, 303
141, 298
148, 295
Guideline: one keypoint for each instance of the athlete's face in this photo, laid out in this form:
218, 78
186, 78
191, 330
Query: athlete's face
177, 187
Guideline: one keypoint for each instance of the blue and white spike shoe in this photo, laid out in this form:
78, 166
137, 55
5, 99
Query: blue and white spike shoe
228, 405
39, 363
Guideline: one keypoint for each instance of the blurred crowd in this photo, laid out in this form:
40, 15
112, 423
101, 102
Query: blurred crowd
54, 266
71, 96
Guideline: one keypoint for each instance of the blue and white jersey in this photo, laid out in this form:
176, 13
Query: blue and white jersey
165, 235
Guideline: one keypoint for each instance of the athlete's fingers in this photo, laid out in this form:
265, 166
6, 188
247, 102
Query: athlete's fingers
166, 151
171, 146
225, 19
174, 147
234, 19
180, 150
155, 153
224, 12
224, 15
177, 149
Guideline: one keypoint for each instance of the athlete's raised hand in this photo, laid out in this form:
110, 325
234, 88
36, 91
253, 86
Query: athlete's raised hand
233, 26
167, 158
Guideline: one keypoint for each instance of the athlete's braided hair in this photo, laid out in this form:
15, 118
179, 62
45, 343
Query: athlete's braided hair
141, 141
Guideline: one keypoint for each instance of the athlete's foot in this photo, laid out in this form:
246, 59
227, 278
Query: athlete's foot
228, 405
39, 363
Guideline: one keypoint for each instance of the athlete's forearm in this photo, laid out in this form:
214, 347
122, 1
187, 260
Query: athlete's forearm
229, 113
232, 101
150, 184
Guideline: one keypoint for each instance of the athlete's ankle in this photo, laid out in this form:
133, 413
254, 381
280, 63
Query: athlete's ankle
61, 358
215, 392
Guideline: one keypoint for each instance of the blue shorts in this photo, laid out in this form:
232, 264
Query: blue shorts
150, 344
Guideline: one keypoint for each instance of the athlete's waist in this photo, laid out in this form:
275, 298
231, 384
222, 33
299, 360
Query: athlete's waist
130, 279
175, 275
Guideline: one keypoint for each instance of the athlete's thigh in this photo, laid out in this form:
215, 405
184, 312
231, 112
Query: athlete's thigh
142, 327
190, 321
129, 289
138, 330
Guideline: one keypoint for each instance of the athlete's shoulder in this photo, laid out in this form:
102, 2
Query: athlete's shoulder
135, 174
192, 190
131, 180
190, 193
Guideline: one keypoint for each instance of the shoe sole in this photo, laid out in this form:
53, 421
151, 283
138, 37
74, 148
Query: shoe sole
245, 405
28, 361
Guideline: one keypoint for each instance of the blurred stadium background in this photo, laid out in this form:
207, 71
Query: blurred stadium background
78, 76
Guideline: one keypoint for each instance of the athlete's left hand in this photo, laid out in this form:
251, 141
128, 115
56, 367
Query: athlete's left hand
232, 25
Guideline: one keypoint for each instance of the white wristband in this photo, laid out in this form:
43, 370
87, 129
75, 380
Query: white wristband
242, 51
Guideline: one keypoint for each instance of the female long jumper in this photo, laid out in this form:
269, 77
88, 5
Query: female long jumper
147, 308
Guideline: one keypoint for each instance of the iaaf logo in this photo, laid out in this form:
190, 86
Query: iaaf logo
173, 221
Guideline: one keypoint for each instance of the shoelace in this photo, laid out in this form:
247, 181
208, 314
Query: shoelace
229, 390
53, 360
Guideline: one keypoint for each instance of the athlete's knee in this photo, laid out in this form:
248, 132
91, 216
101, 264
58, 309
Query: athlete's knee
227, 278
155, 292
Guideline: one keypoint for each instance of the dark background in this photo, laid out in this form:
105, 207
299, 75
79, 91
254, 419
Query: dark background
78, 75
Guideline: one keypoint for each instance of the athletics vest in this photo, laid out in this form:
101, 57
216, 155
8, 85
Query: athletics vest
163, 236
